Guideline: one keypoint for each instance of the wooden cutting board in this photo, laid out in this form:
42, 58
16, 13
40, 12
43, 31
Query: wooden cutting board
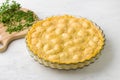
6, 38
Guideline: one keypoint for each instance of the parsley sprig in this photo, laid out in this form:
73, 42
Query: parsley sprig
14, 18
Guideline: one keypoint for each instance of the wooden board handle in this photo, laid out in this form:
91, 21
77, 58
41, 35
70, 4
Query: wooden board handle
4, 45
7, 38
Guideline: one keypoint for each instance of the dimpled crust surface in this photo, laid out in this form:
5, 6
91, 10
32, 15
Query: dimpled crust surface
65, 39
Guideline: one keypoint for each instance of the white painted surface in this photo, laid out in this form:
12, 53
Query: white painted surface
16, 63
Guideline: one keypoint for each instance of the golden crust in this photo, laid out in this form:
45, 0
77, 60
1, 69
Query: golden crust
65, 39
